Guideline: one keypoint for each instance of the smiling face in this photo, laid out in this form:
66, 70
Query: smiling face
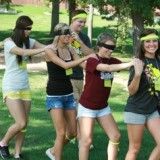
150, 48
78, 24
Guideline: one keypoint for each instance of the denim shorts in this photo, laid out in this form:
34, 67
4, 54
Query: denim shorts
60, 102
135, 118
85, 112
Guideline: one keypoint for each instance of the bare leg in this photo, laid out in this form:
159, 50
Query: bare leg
110, 127
71, 125
153, 126
58, 119
135, 134
20, 136
17, 111
86, 129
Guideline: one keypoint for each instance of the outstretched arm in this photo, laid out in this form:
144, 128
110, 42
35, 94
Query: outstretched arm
51, 56
113, 67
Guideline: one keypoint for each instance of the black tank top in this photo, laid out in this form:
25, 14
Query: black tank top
58, 82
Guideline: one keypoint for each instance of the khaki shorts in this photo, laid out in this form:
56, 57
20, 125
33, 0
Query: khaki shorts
77, 88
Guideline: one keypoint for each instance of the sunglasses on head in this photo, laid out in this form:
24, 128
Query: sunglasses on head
28, 28
107, 46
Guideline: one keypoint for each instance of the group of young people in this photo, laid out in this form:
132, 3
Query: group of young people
70, 111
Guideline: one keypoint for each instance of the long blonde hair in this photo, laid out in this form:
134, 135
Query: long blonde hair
60, 29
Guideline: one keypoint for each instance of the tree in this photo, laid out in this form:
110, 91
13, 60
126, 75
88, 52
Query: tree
140, 11
71, 8
55, 15
141, 15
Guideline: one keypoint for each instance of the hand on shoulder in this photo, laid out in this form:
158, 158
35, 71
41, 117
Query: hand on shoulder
50, 46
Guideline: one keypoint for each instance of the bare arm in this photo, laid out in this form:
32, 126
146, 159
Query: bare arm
28, 52
134, 85
38, 45
85, 50
113, 67
55, 59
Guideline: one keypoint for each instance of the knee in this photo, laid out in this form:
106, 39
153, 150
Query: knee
61, 134
134, 148
22, 125
115, 137
85, 142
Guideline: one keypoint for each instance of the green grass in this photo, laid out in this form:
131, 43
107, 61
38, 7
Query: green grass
42, 21
40, 133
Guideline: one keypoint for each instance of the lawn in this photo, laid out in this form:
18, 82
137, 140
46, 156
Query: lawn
40, 133
42, 21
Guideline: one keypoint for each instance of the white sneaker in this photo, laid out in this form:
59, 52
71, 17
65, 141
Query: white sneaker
49, 154
91, 146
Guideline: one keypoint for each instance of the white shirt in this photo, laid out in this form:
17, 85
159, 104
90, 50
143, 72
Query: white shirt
15, 78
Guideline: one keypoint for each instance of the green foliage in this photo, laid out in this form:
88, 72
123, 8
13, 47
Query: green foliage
6, 3
146, 11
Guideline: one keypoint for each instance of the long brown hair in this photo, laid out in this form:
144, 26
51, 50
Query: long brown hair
18, 35
141, 54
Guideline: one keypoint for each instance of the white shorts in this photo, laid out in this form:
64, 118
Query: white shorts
85, 112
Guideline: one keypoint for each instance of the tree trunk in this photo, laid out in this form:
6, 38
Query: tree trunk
90, 22
71, 8
55, 16
138, 26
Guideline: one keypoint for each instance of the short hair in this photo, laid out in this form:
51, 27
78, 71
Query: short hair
103, 37
61, 28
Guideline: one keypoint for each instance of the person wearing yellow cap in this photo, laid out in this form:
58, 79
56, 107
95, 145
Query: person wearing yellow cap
144, 87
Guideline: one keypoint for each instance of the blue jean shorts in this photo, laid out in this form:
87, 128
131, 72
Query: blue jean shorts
60, 102
135, 118
85, 112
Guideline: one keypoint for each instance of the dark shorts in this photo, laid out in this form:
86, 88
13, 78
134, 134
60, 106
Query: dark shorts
60, 102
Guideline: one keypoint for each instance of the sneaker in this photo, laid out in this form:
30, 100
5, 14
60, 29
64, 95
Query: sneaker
91, 146
18, 157
49, 154
4, 152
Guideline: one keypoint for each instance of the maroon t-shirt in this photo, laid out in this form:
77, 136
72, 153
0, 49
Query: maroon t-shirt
95, 95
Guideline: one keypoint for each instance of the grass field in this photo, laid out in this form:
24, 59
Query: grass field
40, 133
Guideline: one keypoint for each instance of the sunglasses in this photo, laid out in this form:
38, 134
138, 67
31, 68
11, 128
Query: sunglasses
28, 28
107, 46
65, 32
